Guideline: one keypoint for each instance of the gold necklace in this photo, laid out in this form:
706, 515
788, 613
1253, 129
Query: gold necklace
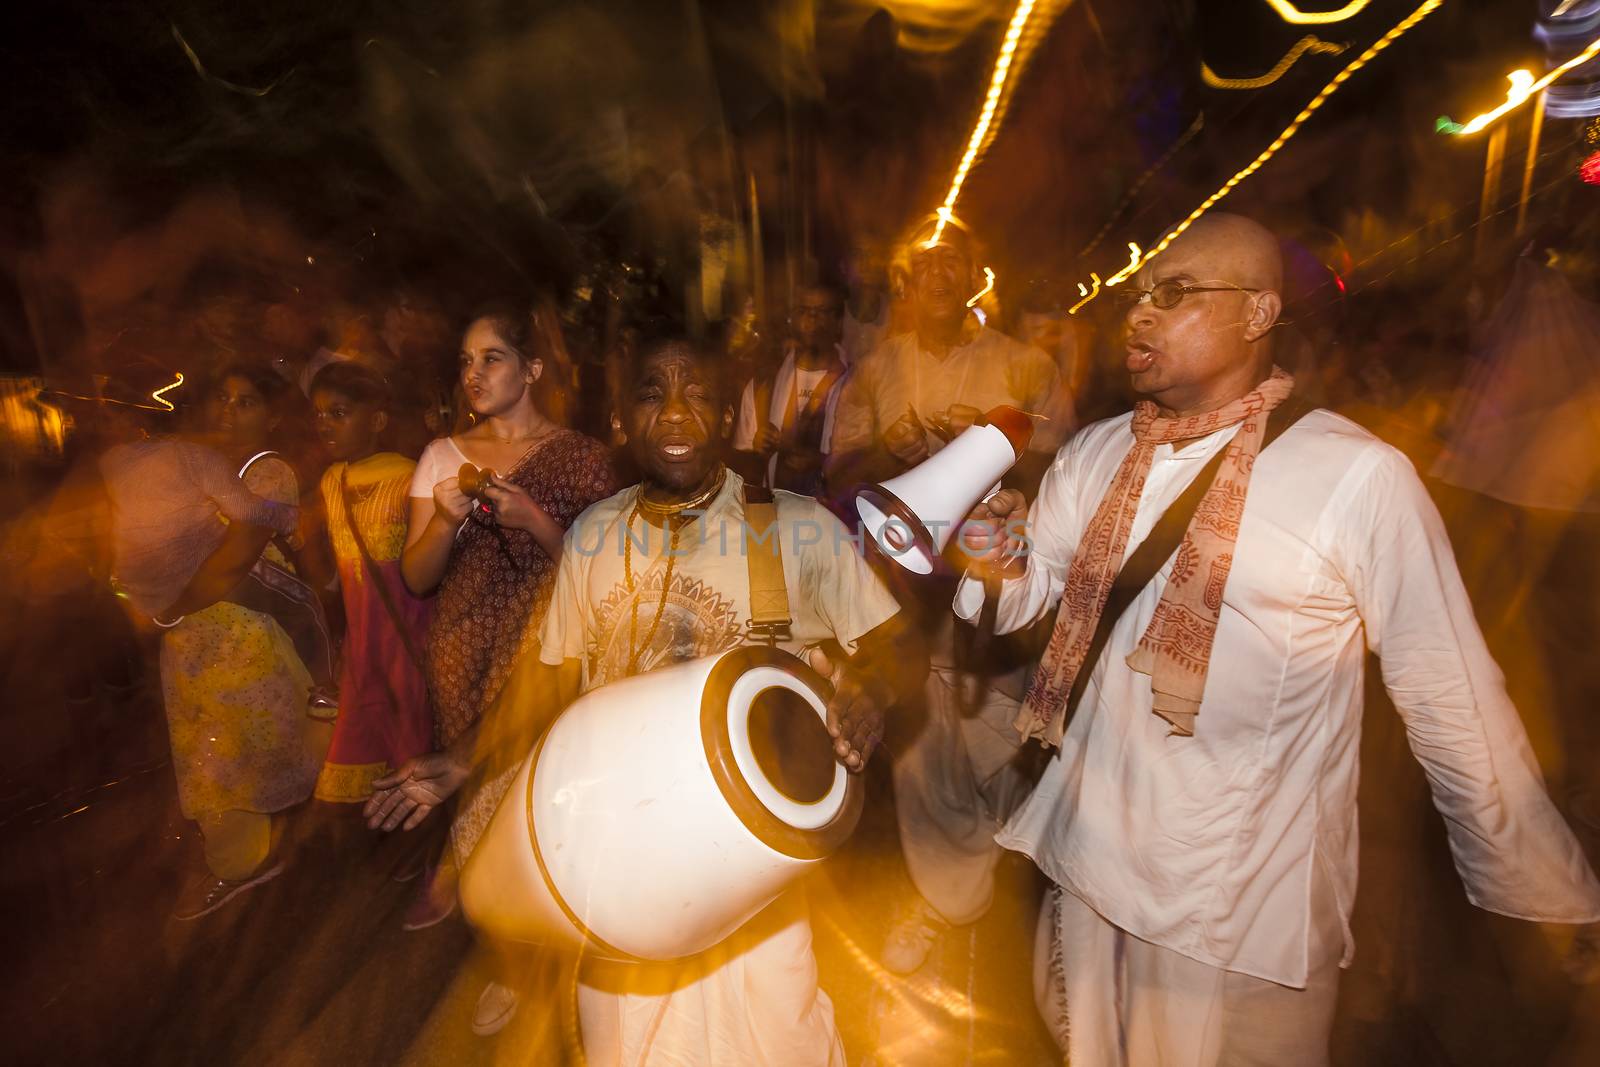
634, 648
663, 511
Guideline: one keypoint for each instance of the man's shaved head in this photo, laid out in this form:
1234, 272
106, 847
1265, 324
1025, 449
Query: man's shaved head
1221, 245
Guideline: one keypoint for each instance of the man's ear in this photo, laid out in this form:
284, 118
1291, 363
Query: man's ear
380, 419
726, 429
1263, 315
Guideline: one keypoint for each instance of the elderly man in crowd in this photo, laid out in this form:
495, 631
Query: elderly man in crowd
956, 775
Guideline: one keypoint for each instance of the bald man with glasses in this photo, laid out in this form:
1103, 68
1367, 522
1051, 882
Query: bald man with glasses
1219, 561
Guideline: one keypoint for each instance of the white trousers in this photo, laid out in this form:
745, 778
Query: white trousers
1113, 1000
955, 784
752, 1001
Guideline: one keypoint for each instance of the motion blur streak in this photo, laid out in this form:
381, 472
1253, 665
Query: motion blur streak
1523, 86
1399, 30
1309, 43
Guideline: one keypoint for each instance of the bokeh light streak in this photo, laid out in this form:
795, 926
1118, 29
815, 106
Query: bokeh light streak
1086, 293
991, 104
988, 288
1523, 87
1134, 262
1293, 15
1399, 30
160, 395
1309, 43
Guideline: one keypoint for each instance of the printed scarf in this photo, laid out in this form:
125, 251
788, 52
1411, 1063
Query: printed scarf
1176, 648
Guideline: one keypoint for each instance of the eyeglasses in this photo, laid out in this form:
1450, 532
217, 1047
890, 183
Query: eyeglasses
1168, 295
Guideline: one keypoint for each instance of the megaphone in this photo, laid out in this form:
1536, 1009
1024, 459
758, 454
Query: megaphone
912, 517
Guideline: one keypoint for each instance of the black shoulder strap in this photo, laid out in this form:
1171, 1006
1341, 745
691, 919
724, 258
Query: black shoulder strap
1164, 539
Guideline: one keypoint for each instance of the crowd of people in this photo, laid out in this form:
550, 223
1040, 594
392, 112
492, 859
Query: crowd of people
1165, 720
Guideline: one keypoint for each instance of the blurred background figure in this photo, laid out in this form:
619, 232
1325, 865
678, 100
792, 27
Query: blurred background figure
957, 771
785, 418
385, 716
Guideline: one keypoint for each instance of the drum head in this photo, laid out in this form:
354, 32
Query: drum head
763, 717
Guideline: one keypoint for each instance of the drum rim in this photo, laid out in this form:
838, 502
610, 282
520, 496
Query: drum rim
742, 800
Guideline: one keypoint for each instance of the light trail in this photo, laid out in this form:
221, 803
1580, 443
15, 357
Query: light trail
160, 395
988, 288
1523, 87
1372, 51
1309, 43
1291, 14
991, 105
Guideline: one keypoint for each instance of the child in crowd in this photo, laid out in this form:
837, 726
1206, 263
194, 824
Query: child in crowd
385, 716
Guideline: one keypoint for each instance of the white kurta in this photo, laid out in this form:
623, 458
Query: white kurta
1205, 845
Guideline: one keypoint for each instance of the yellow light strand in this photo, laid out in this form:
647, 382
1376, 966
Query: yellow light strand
991, 104
160, 395
1524, 87
1399, 30
1087, 294
1127, 272
1291, 14
1309, 43
986, 290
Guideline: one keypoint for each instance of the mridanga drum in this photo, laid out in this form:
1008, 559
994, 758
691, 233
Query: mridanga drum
661, 812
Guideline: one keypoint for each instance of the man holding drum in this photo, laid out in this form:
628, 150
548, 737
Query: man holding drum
1200, 817
657, 575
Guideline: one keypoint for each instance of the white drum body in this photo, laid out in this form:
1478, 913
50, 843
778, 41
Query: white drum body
660, 813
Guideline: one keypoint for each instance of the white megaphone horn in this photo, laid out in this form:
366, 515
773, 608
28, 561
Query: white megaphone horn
913, 517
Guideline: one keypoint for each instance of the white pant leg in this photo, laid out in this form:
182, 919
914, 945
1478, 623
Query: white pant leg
954, 785
1134, 1004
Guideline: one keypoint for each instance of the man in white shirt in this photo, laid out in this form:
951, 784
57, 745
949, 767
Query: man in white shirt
956, 776
1205, 846
659, 574
784, 421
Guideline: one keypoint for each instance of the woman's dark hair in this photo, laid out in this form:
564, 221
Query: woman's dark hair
534, 332
272, 386
356, 381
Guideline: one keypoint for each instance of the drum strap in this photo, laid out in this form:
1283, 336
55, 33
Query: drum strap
763, 552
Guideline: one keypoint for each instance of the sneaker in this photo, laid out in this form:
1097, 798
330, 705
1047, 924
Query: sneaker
429, 907
496, 1005
912, 938
206, 893
322, 703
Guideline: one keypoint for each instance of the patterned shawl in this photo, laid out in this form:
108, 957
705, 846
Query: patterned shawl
1176, 648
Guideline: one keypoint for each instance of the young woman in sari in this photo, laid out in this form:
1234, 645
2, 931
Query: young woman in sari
384, 713
492, 561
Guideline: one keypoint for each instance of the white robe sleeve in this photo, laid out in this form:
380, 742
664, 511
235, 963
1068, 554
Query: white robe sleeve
1512, 849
